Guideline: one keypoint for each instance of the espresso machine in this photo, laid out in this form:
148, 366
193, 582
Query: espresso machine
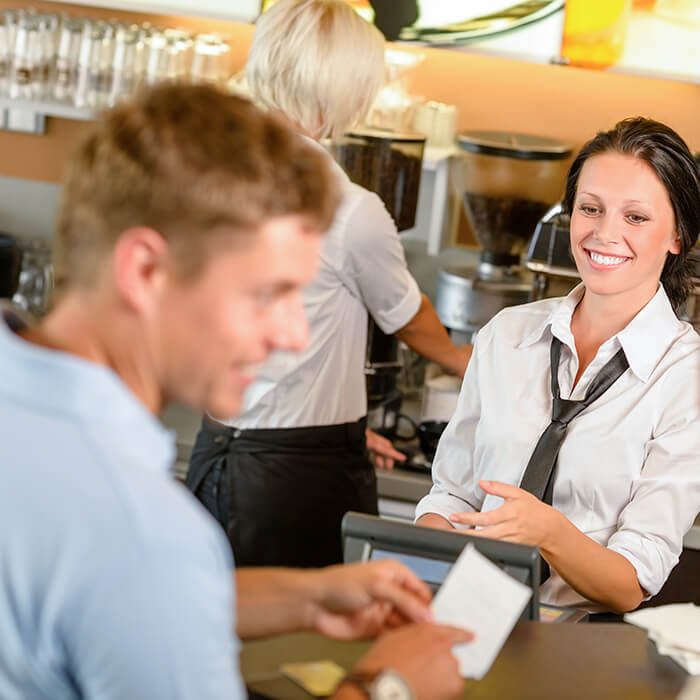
388, 163
549, 258
508, 182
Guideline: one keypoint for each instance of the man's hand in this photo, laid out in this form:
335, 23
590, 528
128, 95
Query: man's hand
361, 600
382, 451
422, 655
523, 518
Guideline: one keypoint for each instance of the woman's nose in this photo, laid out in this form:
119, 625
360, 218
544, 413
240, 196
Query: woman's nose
606, 231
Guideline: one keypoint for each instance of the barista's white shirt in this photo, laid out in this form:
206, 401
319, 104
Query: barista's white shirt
628, 472
362, 269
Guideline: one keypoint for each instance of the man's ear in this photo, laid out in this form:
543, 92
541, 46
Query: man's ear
141, 260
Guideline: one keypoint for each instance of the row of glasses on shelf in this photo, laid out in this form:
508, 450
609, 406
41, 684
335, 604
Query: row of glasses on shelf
95, 63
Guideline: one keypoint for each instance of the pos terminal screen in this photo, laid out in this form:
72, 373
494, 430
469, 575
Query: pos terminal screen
432, 571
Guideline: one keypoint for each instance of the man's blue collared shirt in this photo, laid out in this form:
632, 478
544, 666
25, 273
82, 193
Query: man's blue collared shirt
114, 582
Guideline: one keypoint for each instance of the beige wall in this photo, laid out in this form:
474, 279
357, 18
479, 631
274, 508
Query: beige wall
564, 102
495, 93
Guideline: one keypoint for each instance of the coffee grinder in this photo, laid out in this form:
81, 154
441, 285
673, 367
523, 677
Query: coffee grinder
508, 182
390, 164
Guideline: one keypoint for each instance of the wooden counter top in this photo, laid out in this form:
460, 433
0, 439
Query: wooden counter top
538, 662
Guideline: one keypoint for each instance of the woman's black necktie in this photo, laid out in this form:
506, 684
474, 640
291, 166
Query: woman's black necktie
538, 478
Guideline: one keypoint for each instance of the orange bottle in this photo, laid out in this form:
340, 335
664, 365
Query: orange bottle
595, 31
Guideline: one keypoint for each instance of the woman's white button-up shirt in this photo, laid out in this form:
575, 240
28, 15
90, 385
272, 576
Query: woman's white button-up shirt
628, 473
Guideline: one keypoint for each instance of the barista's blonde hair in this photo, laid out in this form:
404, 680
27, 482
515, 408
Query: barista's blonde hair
318, 62
201, 167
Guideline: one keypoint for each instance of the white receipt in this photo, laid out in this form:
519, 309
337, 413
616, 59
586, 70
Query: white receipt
477, 595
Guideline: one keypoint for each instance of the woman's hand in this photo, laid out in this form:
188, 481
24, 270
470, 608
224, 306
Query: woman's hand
382, 451
595, 572
523, 518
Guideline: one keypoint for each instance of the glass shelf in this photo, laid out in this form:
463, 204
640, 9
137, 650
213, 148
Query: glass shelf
49, 108
234, 10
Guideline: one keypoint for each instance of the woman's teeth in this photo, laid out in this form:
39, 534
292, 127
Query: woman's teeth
605, 259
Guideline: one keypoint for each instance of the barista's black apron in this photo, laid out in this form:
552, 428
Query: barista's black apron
280, 495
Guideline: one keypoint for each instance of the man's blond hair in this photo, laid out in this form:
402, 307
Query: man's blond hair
192, 163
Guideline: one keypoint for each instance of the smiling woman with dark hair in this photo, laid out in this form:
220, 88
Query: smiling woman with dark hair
666, 154
577, 424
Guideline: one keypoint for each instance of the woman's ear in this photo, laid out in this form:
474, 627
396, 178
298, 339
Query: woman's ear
675, 247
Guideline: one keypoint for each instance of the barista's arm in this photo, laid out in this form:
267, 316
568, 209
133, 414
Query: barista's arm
425, 334
436, 521
596, 572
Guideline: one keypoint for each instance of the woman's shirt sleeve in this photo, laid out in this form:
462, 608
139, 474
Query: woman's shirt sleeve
665, 498
373, 263
455, 485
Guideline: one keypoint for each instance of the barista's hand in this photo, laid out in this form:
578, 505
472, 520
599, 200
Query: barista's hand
422, 655
361, 600
522, 518
382, 451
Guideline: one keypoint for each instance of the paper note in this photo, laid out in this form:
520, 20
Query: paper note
678, 623
477, 595
691, 690
675, 629
320, 678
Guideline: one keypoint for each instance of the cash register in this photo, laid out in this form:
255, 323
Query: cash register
430, 553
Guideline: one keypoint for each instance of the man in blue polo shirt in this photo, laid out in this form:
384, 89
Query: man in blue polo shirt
188, 224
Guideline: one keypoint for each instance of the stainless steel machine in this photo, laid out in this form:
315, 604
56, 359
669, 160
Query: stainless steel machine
509, 181
549, 257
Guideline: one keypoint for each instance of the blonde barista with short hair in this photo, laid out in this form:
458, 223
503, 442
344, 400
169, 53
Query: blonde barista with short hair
280, 477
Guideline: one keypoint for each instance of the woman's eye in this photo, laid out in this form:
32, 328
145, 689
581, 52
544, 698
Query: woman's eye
637, 218
588, 210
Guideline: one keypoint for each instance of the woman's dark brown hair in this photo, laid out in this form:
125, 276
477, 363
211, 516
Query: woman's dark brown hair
667, 154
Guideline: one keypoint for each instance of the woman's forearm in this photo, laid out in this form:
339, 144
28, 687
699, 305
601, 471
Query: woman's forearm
594, 571
425, 334
436, 521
